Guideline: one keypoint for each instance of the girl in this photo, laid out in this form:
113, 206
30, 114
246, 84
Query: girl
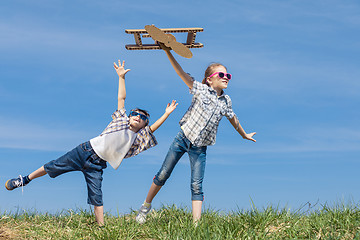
198, 130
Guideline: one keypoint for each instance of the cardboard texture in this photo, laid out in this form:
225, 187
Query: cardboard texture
163, 36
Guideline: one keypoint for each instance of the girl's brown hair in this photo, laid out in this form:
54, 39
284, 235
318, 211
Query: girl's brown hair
210, 70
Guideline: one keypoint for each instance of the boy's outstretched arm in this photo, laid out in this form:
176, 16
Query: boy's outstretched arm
169, 109
121, 71
236, 124
178, 69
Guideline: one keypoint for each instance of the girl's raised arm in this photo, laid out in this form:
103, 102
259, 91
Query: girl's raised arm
178, 69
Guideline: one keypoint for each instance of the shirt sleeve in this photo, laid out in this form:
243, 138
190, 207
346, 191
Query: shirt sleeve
145, 139
198, 87
229, 111
119, 113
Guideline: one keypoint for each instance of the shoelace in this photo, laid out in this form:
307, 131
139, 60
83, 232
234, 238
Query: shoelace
18, 183
144, 209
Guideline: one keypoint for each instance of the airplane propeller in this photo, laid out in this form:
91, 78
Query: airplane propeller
168, 40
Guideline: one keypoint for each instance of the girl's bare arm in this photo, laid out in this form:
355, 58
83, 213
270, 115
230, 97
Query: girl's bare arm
178, 69
236, 124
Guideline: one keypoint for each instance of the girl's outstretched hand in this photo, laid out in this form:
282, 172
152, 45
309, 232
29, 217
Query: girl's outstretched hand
249, 136
120, 70
171, 107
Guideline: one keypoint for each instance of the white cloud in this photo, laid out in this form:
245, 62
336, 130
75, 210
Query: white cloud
35, 35
34, 136
293, 14
300, 139
294, 145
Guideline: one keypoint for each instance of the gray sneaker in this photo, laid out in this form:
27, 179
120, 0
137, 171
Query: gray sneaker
143, 211
13, 183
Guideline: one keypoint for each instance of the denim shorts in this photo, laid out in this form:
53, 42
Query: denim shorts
84, 159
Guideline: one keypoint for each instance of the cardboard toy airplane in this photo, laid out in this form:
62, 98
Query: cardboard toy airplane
163, 36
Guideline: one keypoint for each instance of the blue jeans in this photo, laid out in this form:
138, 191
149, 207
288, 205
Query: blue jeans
84, 159
197, 156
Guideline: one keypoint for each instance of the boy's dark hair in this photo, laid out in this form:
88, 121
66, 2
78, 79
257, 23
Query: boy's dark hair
146, 113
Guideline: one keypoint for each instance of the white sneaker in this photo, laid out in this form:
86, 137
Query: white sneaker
143, 211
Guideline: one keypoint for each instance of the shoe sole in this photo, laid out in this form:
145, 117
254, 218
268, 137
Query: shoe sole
140, 220
7, 184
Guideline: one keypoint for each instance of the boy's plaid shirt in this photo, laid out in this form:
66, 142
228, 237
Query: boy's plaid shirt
201, 121
144, 140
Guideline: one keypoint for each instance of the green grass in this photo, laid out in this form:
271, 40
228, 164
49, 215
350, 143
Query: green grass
170, 222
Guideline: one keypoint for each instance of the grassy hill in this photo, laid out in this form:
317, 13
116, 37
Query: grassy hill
171, 222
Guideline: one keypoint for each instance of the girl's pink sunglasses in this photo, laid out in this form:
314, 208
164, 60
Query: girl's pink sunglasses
221, 75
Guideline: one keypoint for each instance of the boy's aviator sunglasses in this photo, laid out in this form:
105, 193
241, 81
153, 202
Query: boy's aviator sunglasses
221, 75
142, 116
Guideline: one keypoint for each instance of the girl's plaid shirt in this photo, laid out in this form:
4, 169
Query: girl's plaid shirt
201, 120
144, 140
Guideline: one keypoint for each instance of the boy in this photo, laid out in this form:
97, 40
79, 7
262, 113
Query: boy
124, 137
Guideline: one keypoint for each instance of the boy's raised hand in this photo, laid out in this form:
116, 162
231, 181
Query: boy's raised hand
120, 70
171, 107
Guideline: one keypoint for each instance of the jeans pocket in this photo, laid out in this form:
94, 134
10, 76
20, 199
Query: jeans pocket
86, 146
96, 160
95, 164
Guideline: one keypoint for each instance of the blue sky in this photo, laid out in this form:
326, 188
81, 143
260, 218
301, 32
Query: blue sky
295, 67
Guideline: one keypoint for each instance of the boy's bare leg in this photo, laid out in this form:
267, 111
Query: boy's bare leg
37, 173
196, 210
154, 189
99, 214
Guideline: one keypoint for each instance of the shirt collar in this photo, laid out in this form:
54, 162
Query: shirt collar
213, 91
